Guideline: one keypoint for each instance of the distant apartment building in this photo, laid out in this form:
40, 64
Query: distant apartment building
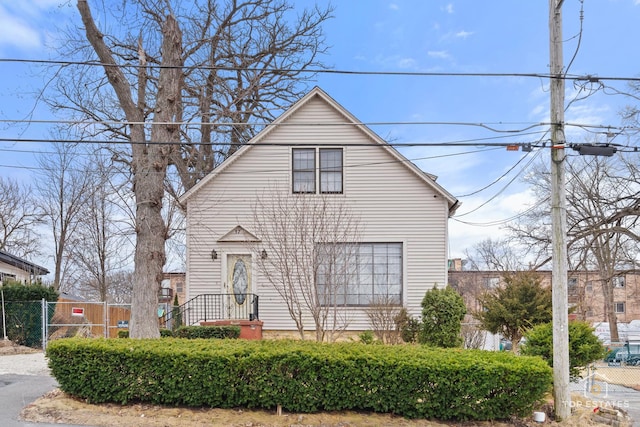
173, 284
585, 291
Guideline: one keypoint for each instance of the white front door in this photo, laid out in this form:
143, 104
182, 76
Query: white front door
238, 282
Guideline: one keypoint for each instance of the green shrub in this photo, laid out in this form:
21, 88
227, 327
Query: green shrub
442, 314
164, 333
207, 332
176, 314
302, 376
408, 326
23, 311
14, 291
514, 308
367, 337
584, 346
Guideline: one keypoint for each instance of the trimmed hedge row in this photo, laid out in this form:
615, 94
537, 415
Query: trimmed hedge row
207, 332
194, 332
411, 381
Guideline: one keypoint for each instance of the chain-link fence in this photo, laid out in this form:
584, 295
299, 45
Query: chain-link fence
22, 322
603, 378
620, 367
89, 319
34, 323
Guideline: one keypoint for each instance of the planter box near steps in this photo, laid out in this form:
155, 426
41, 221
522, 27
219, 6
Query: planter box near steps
249, 329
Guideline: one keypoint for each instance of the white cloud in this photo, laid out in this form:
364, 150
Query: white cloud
16, 32
463, 34
406, 63
539, 111
449, 8
440, 54
27, 24
486, 222
397, 61
394, 6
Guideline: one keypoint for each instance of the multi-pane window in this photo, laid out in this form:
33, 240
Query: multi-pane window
328, 171
6, 277
618, 282
331, 170
359, 274
620, 306
304, 170
491, 282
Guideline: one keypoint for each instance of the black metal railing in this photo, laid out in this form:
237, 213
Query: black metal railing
211, 307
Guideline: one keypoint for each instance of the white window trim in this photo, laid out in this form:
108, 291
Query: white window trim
318, 175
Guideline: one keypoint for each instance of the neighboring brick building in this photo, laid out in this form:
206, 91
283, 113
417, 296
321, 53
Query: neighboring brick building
172, 284
584, 291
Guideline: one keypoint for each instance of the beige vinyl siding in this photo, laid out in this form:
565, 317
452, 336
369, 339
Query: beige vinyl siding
394, 205
20, 275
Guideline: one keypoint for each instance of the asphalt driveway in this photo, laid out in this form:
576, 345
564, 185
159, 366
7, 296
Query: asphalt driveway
23, 379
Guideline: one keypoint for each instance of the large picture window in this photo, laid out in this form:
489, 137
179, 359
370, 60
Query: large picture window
359, 274
328, 171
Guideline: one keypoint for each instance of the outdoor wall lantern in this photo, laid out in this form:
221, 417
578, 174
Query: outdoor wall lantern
214, 255
263, 254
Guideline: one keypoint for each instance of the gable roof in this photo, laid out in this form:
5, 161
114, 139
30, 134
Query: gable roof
22, 264
316, 92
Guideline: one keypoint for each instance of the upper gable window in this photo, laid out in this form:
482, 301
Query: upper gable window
331, 170
327, 171
304, 170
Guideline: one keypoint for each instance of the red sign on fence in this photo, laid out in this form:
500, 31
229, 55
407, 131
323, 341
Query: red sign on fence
77, 311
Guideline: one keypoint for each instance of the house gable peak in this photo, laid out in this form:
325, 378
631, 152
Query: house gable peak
238, 234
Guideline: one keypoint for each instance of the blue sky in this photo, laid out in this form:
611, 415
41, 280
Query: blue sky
421, 36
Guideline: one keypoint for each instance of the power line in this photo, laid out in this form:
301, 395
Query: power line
498, 221
491, 126
409, 160
323, 70
274, 144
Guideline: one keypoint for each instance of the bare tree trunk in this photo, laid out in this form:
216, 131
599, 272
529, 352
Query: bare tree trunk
149, 161
609, 309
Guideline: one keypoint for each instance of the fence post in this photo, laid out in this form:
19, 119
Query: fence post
255, 308
4, 316
106, 319
45, 321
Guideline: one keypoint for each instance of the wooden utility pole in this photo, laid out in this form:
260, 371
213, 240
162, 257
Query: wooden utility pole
562, 399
